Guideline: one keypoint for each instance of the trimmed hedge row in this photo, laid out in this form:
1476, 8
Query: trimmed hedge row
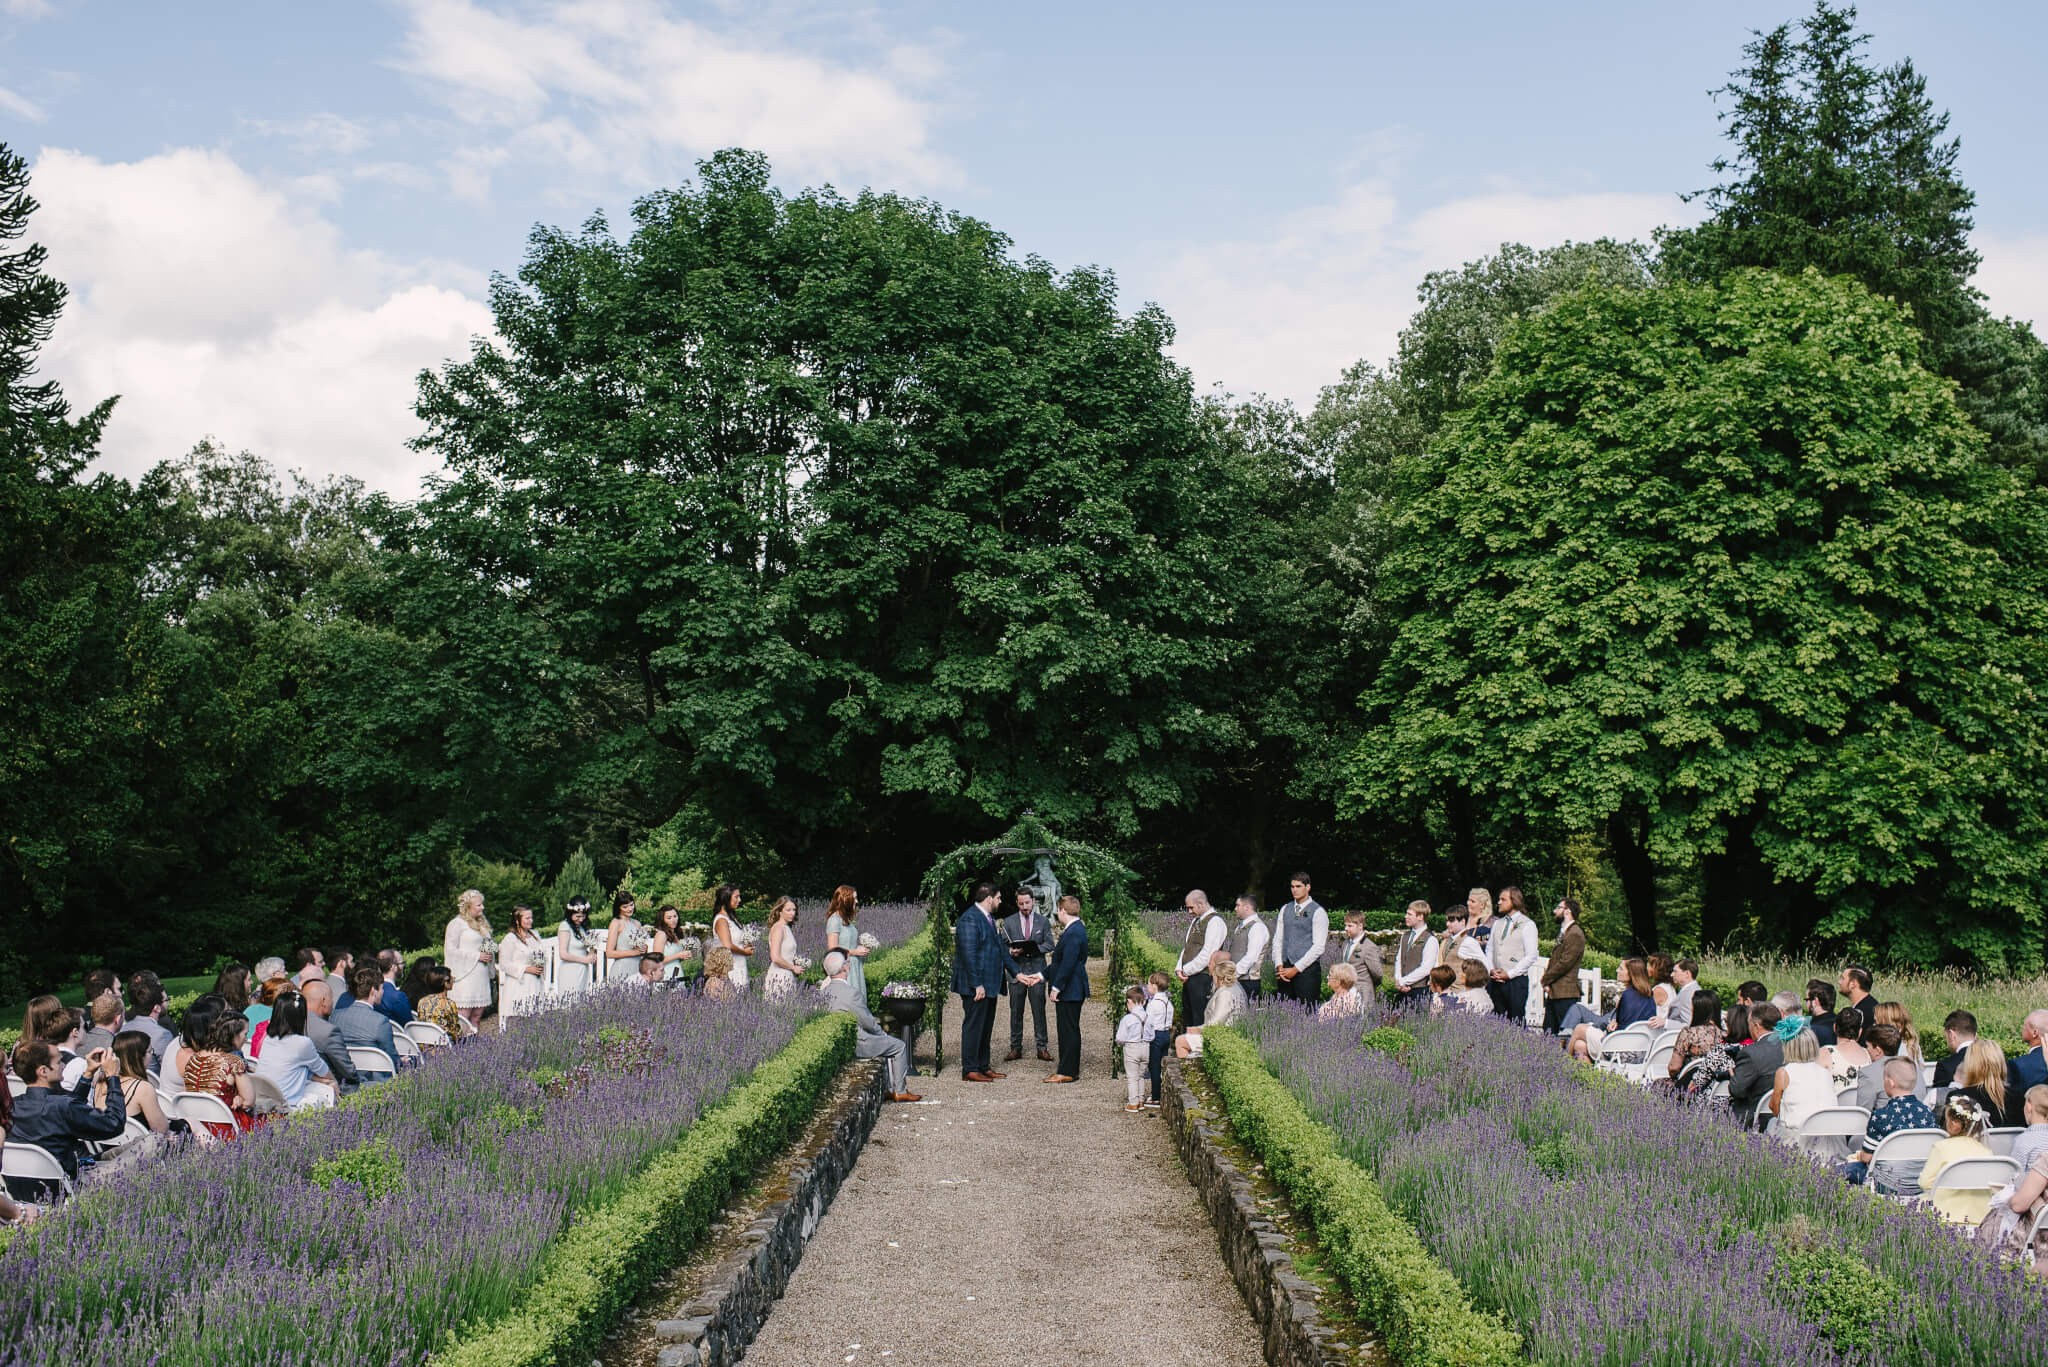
612, 1253
1414, 1300
908, 962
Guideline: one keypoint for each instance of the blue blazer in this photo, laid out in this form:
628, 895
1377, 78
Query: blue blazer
1068, 975
979, 959
2028, 1070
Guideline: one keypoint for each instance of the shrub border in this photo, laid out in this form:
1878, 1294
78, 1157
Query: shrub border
598, 1266
1420, 1308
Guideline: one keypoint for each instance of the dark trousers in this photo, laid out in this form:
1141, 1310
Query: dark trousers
1254, 988
1068, 1016
1305, 986
1194, 999
977, 1024
1554, 1009
1162, 1040
1414, 996
1018, 993
1514, 994
1496, 995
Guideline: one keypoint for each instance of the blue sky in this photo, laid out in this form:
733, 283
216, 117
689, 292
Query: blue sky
272, 216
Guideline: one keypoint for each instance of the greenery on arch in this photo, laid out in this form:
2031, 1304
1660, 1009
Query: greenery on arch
1098, 878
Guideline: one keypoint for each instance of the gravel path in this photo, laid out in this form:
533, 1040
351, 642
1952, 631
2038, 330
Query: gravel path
1014, 1223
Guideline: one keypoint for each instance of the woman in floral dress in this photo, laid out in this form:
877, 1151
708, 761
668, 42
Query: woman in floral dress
782, 978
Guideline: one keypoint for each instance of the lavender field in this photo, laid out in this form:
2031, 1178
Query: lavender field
1616, 1227
890, 922
360, 1237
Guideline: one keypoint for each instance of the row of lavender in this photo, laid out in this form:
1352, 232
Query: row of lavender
1614, 1226
364, 1235
889, 922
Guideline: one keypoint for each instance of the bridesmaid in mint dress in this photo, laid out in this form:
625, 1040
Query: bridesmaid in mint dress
842, 933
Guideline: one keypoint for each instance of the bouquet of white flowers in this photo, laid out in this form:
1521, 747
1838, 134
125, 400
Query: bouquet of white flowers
870, 941
746, 936
803, 963
915, 990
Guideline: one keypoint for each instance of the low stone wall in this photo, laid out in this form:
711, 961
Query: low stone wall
1282, 1303
716, 1327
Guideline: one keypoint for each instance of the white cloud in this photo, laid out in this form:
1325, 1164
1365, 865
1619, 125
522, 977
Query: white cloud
319, 133
21, 105
2015, 276
216, 305
1283, 314
27, 9
620, 90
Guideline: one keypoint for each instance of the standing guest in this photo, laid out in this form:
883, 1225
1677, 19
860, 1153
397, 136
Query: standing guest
842, 934
1897, 1109
873, 1041
1756, 1072
1345, 999
782, 975
1820, 1010
340, 959
1959, 1028
1982, 1079
1028, 937
292, 1061
391, 998
308, 964
363, 1026
435, 1006
725, 906
1205, 935
1882, 1043
217, 1068
1561, 974
1159, 1016
1368, 964
1480, 926
320, 1029
2030, 1069
1458, 943
1134, 1036
1247, 946
668, 942
1891, 1013
980, 969
577, 949
1067, 985
62, 1122
466, 949
1513, 953
138, 1098
625, 939
1414, 955
145, 1014
1855, 986
1847, 1057
103, 1015
232, 986
718, 983
1801, 1086
522, 962
1698, 1042
1301, 930
1475, 984
1965, 1122
1443, 990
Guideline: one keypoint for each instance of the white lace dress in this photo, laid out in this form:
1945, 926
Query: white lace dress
520, 992
459, 950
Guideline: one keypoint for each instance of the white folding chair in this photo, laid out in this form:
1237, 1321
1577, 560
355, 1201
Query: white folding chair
200, 1109
1906, 1150
2033, 1232
34, 1163
1667, 1038
369, 1059
15, 1086
1975, 1174
1659, 1064
1999, 1141
1833, 1122
1624, 1052
1926, 1075
1589, 987
426, 1034
408, 1048
1847, 1096
268, 1096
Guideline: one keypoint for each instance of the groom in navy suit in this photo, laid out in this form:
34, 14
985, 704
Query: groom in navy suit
1068, 980
981, 968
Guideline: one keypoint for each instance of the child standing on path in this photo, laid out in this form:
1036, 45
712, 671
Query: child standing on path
1159, 1018
1134, 1033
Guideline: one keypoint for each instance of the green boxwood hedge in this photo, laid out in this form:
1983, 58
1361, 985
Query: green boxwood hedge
612, 1253
1377, 1256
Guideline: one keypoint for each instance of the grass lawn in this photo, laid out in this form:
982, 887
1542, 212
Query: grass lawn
11, 1014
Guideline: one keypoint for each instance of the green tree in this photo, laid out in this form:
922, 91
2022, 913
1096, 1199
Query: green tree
1849, 168
577, 878
1720, 569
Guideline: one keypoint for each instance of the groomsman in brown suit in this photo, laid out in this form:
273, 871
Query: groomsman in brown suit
1362, 954
1561, 974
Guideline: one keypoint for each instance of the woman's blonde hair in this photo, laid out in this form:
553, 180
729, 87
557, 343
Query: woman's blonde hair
470, 907
1803, 1047
775, 911
717, 961
1225, 973
1342, 975
1984, 1068
1891, 1013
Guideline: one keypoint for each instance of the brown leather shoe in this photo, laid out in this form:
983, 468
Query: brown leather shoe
976, 1077
993, 1075
1044, 1056
1013, 1056
905, 1096
1059, 1077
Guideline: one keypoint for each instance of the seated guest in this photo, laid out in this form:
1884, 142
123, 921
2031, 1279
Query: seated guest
217, 1068
1965, 1122
1756, 1069
231, 984
139, 1098
391, 1001
1898, 1109
873, 1041
1345, 999
1472, 995
268, 970
266, 1001
2034, 1138
1443, 989
1696, 1041
1752, 993
1801, 1086
717, 980
46, 1019
145, 1013
193, 1029
362, 1026
1677, 1012
1959, 1028
103, 1022
72, 1031
340, 959
326, 1039
1891, 1013
1820, 1010
434, 1005
1882, 1042
2030, 1069
59, 1122
2005, 1228
1847, 1057
308, 964
1735, 1027
1982, 1079
290, 1059
649, 976
1638, 1003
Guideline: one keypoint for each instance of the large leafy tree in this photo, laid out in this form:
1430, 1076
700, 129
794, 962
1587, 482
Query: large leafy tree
1849, 168
845, 520
1720, 568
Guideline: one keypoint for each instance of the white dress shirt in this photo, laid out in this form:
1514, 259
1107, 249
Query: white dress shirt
1158, 1012
1514, 945
1319, 935
1213, 936
1255, 941
1421, 973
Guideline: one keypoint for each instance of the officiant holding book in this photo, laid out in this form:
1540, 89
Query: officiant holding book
1028, 936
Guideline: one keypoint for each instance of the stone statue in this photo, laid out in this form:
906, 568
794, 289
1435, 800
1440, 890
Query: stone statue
1044, 885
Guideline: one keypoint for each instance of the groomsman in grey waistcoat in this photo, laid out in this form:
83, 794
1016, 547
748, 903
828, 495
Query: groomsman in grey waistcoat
1301, 931
1246, 946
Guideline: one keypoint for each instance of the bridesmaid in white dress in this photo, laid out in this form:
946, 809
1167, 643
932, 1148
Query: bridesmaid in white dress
727, 931
466, 949
781, 979
522, 967
624, 941
668, 942
577, 948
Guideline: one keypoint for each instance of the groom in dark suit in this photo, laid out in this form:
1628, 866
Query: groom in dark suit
980, 970
1068, 979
